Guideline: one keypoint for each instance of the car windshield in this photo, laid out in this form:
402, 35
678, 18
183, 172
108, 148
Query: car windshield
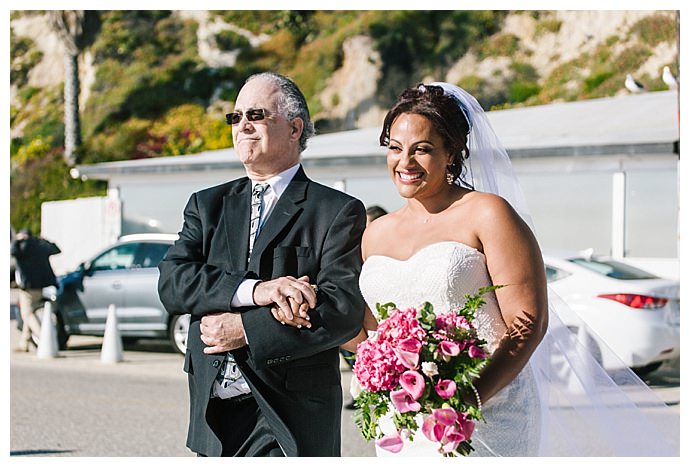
614, 269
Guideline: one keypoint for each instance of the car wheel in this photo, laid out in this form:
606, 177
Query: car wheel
62, 335
645, 370
177, 332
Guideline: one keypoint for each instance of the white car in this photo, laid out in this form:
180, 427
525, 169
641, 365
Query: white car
632, 312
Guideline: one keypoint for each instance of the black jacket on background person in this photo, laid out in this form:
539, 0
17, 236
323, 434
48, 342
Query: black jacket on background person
33, 265
293, 373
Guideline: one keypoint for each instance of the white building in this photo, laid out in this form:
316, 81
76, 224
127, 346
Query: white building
599, 174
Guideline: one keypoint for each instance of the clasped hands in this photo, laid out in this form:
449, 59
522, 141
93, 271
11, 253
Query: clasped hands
290, 300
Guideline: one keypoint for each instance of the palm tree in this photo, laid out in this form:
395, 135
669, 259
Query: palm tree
76, 30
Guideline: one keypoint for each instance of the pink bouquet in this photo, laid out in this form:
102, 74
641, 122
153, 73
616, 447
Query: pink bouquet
420, 364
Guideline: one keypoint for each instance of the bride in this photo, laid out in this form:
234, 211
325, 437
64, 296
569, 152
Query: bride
448, 241
465, 225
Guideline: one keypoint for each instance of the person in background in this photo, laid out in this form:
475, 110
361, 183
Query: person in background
373, 212
33, 272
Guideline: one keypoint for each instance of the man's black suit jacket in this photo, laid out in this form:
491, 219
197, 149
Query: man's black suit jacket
293, 373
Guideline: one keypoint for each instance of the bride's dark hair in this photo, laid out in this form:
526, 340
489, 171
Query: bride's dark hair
444, 113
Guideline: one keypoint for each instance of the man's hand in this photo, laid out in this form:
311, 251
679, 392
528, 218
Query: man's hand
292, 297
222, 332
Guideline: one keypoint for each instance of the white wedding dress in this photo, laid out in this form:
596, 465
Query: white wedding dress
442, 273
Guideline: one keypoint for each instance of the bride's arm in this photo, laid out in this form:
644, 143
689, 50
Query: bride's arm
513, 259
369, 324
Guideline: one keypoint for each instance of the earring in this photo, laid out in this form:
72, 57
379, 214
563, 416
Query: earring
450, 178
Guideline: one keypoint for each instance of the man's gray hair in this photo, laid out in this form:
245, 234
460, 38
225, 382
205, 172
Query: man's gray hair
291, 103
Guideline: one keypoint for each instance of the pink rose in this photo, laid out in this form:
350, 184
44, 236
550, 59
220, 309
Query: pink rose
392, 443
403, 401
413, 383
475, 352
446, 388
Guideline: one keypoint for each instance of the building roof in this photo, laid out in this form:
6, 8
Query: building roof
645, 123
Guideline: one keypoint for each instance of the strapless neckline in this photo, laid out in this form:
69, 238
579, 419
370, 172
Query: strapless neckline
426, 247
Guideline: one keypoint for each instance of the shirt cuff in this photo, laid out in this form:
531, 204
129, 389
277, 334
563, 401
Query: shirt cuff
244, 295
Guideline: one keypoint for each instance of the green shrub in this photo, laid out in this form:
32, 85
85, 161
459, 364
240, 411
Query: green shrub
23, 57
499, 45
230, 40
520, 91
44, 177
255, 21
654, 29
549, 25
595, 80
471, 83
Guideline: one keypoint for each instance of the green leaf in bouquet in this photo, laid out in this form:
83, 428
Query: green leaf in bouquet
426, 316
370, 407
384, 310
474, 302
406, 421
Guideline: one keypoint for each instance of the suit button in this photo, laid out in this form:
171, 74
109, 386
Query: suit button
216, 363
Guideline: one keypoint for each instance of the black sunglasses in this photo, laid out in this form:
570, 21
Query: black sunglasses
253, 115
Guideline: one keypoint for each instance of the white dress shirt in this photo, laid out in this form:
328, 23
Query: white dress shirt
244, 296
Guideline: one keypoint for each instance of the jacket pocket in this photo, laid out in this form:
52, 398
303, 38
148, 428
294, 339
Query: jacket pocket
291, 251
291, 261
307, 378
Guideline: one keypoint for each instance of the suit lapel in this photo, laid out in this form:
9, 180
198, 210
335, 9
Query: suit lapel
283, 212
236, 213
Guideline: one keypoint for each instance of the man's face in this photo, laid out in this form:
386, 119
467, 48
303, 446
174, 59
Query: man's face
269, 145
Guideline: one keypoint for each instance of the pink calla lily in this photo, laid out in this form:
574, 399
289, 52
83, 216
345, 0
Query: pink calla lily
413, 383
392, 443
432, 429
403, 401
449, 348
475, 352
407, 352
446, 388
445, 417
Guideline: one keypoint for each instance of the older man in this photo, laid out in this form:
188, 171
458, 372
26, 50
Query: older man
267, 266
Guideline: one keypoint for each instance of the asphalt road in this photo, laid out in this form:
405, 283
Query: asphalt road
74, 405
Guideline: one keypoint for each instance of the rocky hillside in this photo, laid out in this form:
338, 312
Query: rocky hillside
156, 83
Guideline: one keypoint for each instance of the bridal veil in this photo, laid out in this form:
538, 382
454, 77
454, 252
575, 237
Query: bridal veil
585, 409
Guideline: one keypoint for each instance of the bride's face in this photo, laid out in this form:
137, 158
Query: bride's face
417, 158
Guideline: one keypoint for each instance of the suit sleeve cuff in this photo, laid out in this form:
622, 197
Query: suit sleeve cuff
244, 295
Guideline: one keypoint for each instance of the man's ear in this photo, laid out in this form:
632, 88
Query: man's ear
296, 128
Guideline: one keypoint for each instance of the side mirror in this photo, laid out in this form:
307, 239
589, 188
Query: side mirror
85, 268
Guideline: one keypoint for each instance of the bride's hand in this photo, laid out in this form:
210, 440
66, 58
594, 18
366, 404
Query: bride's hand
300, 315
351, 345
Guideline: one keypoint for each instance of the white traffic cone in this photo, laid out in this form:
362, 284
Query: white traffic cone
111, 350
47, 344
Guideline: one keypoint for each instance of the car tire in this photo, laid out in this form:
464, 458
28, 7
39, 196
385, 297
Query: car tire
178, 328
62, 335
646, 369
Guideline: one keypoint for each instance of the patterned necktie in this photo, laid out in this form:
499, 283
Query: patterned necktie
257, 198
